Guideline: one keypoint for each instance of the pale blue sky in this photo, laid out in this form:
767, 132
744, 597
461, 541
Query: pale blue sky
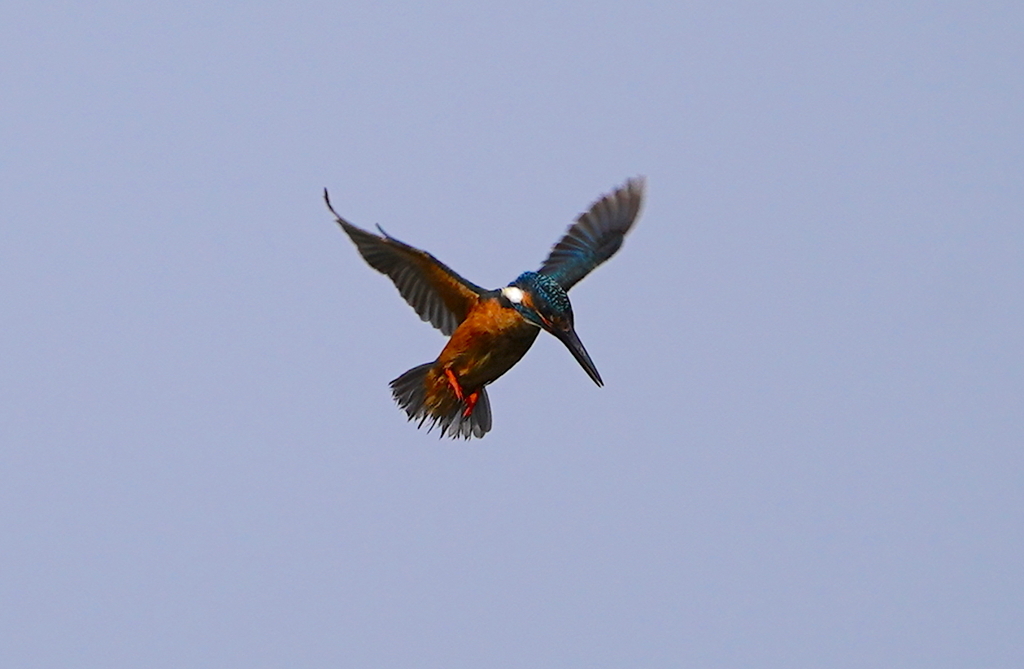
808, 451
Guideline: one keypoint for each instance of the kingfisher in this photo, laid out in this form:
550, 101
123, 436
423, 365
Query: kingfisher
491, 330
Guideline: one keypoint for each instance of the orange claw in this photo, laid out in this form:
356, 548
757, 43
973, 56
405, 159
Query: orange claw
454, 383
470, 399
470, 404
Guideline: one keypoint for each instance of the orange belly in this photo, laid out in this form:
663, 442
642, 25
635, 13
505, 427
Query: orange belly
486, 345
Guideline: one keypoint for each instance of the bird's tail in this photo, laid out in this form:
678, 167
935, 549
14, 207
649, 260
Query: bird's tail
427, 396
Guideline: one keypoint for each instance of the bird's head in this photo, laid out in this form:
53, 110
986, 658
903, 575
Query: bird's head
542, 302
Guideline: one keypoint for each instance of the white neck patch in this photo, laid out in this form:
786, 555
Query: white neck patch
512, 294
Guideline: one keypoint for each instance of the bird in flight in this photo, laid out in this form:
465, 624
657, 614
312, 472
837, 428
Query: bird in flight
490, 330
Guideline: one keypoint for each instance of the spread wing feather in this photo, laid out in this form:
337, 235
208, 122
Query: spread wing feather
595, 236
438, 294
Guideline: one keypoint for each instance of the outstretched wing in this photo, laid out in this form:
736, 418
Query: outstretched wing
438, 294
595, 236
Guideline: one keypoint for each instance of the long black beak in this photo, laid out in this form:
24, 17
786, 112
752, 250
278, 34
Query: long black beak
575, 346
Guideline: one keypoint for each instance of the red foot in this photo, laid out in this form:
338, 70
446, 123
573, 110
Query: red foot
470, 399
470, 404
454, 383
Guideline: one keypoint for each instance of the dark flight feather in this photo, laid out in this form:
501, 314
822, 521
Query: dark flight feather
437, 293
595, 236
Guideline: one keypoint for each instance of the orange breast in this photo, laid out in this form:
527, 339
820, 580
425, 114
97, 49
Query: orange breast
487, 344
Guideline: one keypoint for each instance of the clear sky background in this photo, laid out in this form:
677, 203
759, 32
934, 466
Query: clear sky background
809, 449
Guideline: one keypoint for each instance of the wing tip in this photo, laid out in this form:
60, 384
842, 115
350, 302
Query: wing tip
637, 184
634, 190
327, 201
597, 233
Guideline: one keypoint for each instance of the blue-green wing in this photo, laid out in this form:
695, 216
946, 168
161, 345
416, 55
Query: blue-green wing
595, 236
438, 294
